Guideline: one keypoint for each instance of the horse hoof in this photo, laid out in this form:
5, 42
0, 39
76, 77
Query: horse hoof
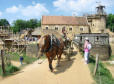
51, 70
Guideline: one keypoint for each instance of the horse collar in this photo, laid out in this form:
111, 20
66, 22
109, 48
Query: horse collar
50, 44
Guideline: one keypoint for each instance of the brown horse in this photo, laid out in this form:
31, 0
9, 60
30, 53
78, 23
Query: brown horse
52, 47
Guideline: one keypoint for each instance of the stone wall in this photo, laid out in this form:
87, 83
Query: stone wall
97, 23
71, 33
112, 48
101, 50
100, 44
32, 50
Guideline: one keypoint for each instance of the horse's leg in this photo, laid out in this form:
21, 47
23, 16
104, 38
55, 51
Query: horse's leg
50, 64
57, 61
59, 57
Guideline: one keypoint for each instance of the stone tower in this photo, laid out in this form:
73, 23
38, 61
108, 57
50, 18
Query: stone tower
97, 21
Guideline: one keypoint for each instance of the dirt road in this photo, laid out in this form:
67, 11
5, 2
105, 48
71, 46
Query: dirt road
70, 72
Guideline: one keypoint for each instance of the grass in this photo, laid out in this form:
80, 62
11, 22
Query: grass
43, 57
9, 70
111, 57
105, 76
27, 59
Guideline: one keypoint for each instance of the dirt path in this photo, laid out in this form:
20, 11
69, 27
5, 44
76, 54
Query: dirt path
111, 68
70, 72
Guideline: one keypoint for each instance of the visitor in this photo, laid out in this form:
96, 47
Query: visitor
21, 60
87, 47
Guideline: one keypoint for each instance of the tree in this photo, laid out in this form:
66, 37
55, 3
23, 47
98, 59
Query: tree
4, 22
23, 24
33, 23
110, 22
19, 25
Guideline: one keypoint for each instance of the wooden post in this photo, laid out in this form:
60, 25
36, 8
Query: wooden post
3, 64
96, 64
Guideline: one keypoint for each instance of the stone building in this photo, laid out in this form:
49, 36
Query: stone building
73, 25
100, 44
97, 22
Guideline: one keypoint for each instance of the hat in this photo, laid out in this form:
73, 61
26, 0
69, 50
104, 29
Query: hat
86, 38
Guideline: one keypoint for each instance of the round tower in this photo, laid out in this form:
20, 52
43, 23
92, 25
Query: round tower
101, 21
97, 21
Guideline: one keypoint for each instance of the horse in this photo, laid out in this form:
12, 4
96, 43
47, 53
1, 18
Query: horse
51, 47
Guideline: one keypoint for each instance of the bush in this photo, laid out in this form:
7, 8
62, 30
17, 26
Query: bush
11, 69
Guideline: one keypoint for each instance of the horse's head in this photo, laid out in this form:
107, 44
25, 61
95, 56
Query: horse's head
44, 43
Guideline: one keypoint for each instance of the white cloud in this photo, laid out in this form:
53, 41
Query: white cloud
34, 10
0, 13
13, 9
80, 6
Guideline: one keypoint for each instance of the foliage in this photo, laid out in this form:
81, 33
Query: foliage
9, 69
4, 22
32, 23
105, 76
18, 25
23, 24
110, 22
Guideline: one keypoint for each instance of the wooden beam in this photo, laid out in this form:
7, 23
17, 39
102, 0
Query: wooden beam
96, 64
3, 64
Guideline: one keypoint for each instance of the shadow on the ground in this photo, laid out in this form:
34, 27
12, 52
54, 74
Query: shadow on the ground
67, 56
17, 72
74, 53
64, 65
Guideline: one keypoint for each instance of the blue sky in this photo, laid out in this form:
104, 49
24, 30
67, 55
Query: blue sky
27, 9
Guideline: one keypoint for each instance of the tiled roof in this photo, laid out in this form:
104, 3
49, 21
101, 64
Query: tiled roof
64, 20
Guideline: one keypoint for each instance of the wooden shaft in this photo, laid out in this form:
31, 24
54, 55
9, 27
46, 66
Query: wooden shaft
96, 65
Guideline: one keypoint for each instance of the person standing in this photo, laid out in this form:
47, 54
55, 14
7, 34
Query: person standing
87, 47
64, 32
21, 60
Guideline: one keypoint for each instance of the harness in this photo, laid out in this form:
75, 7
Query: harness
53, 41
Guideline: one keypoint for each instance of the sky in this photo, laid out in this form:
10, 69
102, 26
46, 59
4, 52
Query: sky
28, 9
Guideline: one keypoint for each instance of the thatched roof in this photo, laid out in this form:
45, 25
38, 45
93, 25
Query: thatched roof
64, 20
